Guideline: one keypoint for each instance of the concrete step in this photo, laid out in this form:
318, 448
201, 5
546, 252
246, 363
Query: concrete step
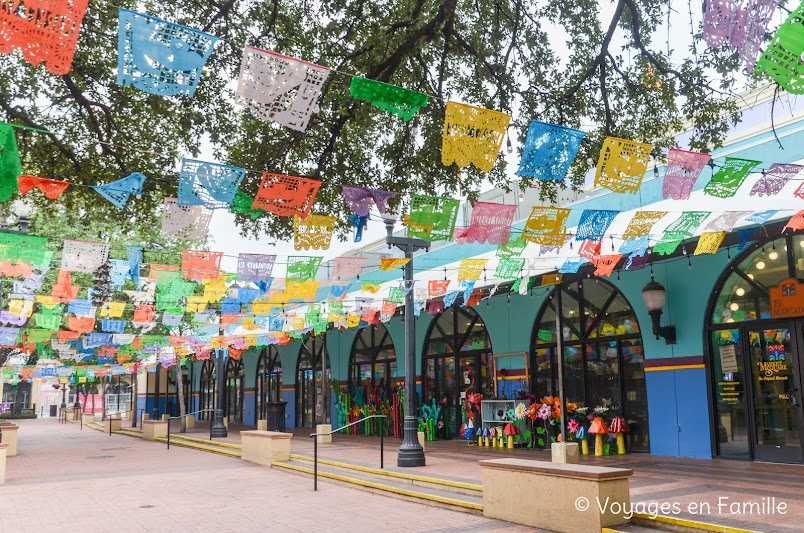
432, 494
391, 472
196, 440
176, 440
129, 433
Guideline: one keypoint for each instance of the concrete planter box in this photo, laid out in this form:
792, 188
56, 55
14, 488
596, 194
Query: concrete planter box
154, 429
323, 428
3, 451
570, 495
115, 424
265, 447
10, 438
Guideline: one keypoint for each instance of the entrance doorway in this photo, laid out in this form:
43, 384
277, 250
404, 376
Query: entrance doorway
758, 372
756, 356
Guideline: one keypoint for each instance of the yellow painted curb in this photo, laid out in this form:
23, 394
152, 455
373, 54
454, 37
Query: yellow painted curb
389, 473
385, 488
693, 524
204, 441
199, 447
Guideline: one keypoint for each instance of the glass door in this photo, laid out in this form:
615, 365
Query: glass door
776, 405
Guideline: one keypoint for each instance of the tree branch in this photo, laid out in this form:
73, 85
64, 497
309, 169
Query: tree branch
17, 113
604, 49
87, 105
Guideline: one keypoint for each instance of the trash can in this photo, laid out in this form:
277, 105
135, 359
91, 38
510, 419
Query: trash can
54, 410
275, 415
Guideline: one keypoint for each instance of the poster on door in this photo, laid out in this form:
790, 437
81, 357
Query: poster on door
728, 359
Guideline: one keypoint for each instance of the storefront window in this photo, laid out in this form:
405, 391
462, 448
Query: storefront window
373, 363
311, 405
457, 361
603, 357
269, 380
744, 294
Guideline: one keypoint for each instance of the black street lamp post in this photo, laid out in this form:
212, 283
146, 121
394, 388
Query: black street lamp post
410, 452
218, 428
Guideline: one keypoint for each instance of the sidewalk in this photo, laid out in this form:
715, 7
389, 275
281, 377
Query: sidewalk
731, 493
70, 480
702, 490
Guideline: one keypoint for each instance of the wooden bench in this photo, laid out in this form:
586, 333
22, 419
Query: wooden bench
555, 496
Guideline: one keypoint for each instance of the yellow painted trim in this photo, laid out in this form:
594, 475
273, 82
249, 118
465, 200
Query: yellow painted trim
673, 367
412, 477
385, 488
199, 447
204, 441
693, 524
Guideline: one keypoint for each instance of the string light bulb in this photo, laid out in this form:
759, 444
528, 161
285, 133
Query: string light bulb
773, 255
509, 144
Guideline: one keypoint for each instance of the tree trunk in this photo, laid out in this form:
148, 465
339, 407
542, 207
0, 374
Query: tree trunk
104, 388
18, 397
134, 410
180, 396
94, 392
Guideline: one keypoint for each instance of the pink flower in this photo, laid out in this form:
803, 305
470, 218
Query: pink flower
572, 426
545, 411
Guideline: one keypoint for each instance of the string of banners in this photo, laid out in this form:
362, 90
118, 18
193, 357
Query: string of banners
548, 152
179, 297
163, 58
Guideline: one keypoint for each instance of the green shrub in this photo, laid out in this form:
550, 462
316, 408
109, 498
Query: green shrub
12, 416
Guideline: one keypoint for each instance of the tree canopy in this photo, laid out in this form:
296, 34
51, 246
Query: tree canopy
498, 54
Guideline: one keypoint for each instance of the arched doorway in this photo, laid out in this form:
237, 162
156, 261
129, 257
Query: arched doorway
603, 355
310, 405
372, 363
235, 380
269, 381
456, 361
207, 395
755, 338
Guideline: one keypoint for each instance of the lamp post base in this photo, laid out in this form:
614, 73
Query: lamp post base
218, 429
410, 453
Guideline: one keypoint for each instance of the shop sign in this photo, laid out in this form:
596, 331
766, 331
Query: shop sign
728, 359
787, 299
768, 371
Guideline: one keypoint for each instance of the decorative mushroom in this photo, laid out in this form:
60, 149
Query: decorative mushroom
510, 431
581, 436
486, 435
598, 429
619, 426
479, 435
